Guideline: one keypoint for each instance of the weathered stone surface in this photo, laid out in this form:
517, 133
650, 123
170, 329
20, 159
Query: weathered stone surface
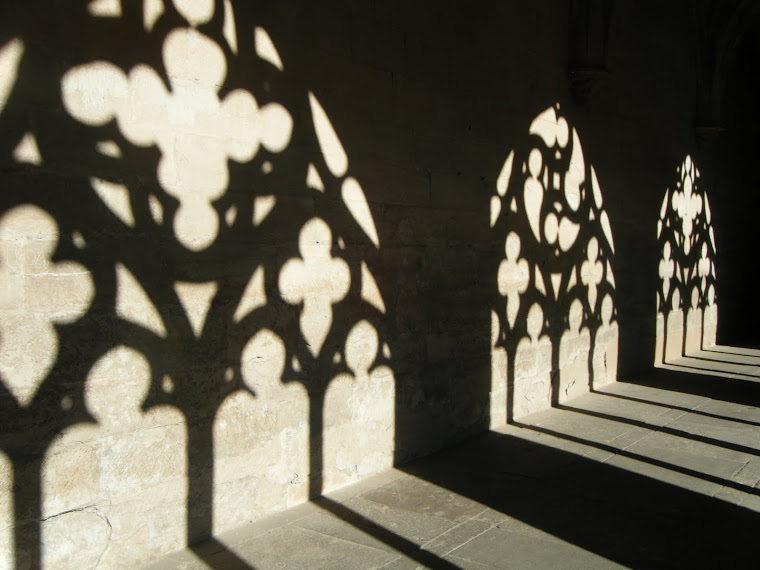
80, 539
254, 255
128, 473
525, 495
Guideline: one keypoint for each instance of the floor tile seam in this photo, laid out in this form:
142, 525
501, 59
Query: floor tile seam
653, 431
479, 513
472, 518
398, 558
349, 541
745, 407
744, 500
648, 432
742, 497
651, 393
463, 561
742, 468
668, 422
722, 419
676, 453
385, 528
653, 406
549, 439
591, 445
693, 477
269, 526
715, 495
551, 539
279, 527
602, 453
624, 419
642, 418
431, 516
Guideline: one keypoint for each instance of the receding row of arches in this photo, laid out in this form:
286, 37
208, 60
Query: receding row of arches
554, 319
168, 162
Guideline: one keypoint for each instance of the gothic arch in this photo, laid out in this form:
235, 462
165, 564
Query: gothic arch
213, 255
687, 309
554, 322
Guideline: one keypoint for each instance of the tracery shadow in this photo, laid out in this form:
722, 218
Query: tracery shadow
266, 202
198, 365
687, 308
687, 303
554, 318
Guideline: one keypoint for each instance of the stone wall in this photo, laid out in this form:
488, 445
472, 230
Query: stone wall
252, 252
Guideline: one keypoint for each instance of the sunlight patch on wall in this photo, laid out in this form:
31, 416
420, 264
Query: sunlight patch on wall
265, 48
498, 395
687, 309
332, 150
513, 277
105, 8
337, 162
108, 148
605, 356
555, 331
27, 150
116, 198
313, 179
152, 10
196, 12
229, 27
35, 295
207, 181
356, 202
10, 57
156, 209
501, 188
359, 413
318, 280
255, 460
230, 216
262, 207
75, 532
370, 290
196, 131
133, 303
7, 548
196, 299
533, 366
254, 296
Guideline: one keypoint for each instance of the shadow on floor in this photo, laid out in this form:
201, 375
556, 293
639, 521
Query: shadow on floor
628, 475
622, 516
689, 375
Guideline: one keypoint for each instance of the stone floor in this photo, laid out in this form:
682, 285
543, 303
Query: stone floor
630, 476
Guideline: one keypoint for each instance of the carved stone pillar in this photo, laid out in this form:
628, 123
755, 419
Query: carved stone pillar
588, 41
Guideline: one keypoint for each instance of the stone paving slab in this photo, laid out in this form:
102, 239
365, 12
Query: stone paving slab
735, 366
721, 355
631, 476
500, 548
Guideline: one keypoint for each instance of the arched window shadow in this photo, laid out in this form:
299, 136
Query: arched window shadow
687, 308
201, 196
554, 322
687, 303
